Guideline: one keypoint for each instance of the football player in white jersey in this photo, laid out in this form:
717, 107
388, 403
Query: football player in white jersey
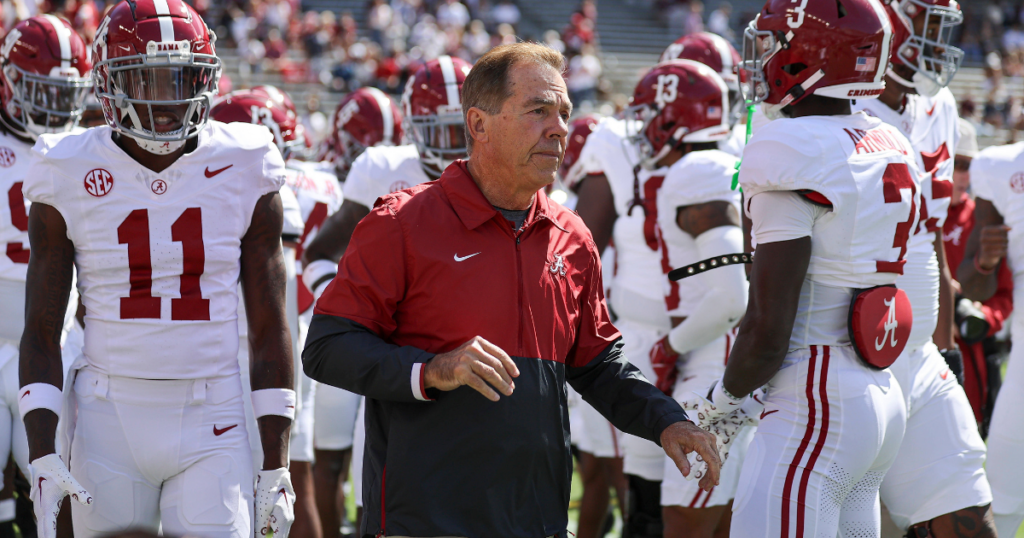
997, 177
432, 119
41, 53
937, 482
832, 198
698, 218
271, 108
618, 200
163, 213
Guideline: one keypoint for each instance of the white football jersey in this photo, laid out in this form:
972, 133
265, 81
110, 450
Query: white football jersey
158, 254
865, 168
319, 196
997, 175
14, 158
699, 177
382, 170
635, 192
933, 127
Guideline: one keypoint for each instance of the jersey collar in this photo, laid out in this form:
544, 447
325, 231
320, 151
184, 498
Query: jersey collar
473, 208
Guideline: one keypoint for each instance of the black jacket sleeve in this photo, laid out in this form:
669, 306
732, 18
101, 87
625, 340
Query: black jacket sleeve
623, 395
347, 355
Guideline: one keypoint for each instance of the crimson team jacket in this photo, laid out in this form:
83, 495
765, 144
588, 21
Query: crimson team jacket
428, 269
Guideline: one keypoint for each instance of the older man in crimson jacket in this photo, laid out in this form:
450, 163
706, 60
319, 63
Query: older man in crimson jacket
462, 307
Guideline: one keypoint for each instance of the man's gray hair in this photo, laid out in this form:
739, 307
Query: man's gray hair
486, 87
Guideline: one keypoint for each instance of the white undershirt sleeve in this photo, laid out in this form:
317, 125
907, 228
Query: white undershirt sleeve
781, 216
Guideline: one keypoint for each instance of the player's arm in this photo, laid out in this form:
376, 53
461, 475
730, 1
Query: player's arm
782, 223
943, 335
715, 226
332, 239
985, 249
320, 259
263, 288
47, 288
596, 206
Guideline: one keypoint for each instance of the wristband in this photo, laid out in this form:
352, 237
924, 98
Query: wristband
279, 402
317, 272
40, 396
977, 266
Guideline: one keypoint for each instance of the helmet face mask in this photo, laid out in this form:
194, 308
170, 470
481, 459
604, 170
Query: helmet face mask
432, 109
927, 48
45, 104
758, 48
42, 86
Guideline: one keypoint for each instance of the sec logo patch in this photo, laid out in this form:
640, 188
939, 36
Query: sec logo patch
98, 182
7, 157
1017, 183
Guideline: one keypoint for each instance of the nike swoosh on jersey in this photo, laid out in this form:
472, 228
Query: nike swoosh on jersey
766, 413
215, 172
464, 258
218, 432
932, 110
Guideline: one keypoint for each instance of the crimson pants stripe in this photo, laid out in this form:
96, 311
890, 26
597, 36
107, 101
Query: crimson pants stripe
823, 395
808, 433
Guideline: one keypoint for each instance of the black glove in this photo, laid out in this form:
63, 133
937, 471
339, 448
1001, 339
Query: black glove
971, 321
955, 361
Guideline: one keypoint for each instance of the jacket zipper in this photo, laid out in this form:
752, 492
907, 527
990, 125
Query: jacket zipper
519, 275
383, 478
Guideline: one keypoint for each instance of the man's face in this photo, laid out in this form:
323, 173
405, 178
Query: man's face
961, 177
531, 130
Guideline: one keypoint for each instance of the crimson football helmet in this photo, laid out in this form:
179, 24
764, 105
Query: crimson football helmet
256, 107
432, 106
834, 49
676, 102
922, 32
571, 170
44, 77
711, 50
295, 150
364, 118
156, 72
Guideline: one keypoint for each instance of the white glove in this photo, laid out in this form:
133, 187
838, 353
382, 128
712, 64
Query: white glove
723, 416
275, 503
51, 482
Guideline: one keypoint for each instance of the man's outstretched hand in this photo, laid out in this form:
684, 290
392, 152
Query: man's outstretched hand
684, 437
477, 363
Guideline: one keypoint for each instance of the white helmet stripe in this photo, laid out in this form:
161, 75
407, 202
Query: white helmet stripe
63, 39
166, 23
451, 84
384, 103
883, 62
722, 46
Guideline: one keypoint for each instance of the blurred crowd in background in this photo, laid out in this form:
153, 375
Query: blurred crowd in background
333, 50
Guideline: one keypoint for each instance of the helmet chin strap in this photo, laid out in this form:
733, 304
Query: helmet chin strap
152, 146
922, 84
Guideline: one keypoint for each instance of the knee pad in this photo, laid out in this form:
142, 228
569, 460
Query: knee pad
644, 509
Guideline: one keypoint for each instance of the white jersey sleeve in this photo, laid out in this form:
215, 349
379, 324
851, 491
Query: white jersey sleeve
14, 161
381, 170
699, 177
292, 225
865, 169
319, 197
158, 254
997, 175
934, 134
637, 291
